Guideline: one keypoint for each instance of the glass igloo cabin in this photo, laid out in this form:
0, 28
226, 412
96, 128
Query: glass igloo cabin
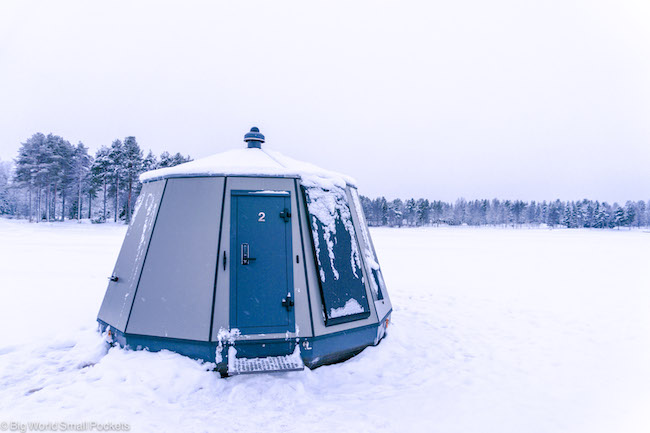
248, 259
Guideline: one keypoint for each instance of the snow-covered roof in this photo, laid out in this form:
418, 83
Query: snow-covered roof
252, 162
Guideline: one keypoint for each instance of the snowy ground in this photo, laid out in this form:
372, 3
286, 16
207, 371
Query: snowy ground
493, 330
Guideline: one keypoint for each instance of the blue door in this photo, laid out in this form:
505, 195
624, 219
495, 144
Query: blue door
261, 271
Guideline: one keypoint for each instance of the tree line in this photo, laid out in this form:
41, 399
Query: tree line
52, 180
570, 214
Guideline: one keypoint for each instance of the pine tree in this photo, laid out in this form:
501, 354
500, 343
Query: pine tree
518, 208
116, 156
423, 212
48, 171
588, 213
165, 160
507, 215
566, 218
366, 204
100, 174
150, 162
493, 212
459, 212
604, 216
554, 213
437, 211
531, 211
180, 159
395, 213
482, 212
5, 176
61, 176
132, 168
410, 208
630, 213
597, 219
27, 166
81, 168
383, 211
619, 216
640, 220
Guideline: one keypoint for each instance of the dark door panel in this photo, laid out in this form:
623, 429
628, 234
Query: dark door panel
261, 268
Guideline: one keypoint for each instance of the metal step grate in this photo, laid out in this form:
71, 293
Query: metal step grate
269, 364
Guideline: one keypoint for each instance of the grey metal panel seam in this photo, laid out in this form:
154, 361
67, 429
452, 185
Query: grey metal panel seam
144, 260
304, 260
216, 272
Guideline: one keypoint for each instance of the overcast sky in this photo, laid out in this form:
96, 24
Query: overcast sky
475, 99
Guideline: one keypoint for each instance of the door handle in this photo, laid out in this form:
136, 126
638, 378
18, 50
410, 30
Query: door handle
288, 302
245, 254
285, 215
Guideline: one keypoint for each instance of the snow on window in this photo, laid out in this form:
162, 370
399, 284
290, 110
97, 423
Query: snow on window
329, 209
351, 307
337, 253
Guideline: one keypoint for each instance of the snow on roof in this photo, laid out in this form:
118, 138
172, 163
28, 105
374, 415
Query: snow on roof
252, 162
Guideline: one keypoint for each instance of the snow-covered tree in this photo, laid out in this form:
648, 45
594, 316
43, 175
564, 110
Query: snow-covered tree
422, 212
518, 208
630, 213
100, 172
410, 209
396, 213
150, 162
27, 166
132, 161
619, 216
81, 164
116, 156
640, 219
5, 177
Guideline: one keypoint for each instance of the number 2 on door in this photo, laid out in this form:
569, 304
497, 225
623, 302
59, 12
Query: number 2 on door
261, 215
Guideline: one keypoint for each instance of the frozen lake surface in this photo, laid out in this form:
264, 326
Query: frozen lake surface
493, 330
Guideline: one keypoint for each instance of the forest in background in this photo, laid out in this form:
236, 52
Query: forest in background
570, 214
51, 180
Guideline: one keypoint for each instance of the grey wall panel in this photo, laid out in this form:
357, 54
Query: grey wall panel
221, 308
374, 279
174, 297
119, 295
